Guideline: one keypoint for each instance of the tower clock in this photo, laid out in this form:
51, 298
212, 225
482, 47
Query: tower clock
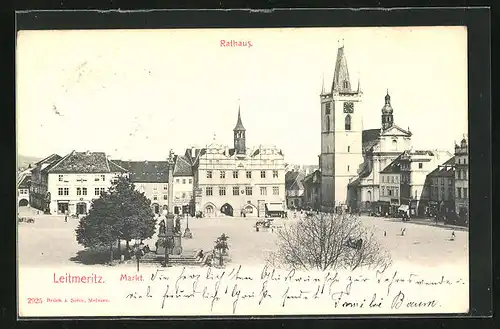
348, 107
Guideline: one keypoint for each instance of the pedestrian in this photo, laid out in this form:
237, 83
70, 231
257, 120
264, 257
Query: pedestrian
66, 218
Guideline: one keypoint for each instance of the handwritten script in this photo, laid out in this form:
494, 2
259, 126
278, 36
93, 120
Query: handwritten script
237, 289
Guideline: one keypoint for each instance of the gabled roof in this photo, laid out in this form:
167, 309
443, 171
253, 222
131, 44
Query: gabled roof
444, 170
51, 158
24, 182
395, 127
182, 166
145, 171
83, 162
394, 167
193, 155
294, 180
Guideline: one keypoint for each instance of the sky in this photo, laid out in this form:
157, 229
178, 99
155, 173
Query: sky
135, 94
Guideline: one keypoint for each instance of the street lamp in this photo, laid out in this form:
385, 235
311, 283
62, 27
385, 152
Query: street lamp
169, 216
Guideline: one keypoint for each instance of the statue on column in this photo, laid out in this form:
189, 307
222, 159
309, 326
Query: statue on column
162, 228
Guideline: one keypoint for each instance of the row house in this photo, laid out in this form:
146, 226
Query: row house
75, 180
150, 178
462, 180
183, 193
441, 184
39, 196
312, 191
390, 186
23, 189
294, 188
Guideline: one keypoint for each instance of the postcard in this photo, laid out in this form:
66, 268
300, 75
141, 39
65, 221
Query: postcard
242, 172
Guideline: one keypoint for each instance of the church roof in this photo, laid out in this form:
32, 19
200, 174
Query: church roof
341, 74
239, 124
369, 139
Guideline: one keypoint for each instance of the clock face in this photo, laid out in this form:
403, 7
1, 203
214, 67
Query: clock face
348, 107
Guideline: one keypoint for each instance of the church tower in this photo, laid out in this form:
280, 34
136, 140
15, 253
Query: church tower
239, 136
387, 113
341, 135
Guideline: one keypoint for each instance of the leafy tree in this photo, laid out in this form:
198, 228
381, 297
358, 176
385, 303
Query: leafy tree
328, 241
122, 213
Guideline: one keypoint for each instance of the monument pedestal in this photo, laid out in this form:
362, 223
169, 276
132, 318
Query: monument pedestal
187, 234
177, 250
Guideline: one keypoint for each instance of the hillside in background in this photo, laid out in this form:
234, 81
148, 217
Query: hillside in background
24, 161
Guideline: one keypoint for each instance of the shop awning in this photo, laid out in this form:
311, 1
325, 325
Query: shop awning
403, 207
275, 207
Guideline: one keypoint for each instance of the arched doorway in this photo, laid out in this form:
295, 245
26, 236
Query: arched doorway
249, 210
156, 208
81, 208
227, 209
23, 203
209, 210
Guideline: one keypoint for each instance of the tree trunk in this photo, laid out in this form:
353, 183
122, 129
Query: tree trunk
119, 247
127, 249
111, 253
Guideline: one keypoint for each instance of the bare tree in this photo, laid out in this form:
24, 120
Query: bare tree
327, 241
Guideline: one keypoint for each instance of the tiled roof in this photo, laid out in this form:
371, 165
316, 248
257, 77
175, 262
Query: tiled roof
309, 178
394, 167
49, 159
444, 170
366, 170
82, 162
341, 73
370, 138
25, 182
294, 180
182, 166
146, 171
194, 159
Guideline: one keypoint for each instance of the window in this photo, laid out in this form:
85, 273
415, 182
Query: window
263, 190
450, 192
222, 190
190, 181
389, 191
209, 173
249, 174
348, 149
155, 197
275, 174
396, 192
236, 190
66, 191
348, 122
346, 84
327, 123
96, 178
465, 173
328, 108
60, 191
397, 179
248, 190
235, 174
392, 179
262, 174
165, 196
96, 191
102, 190
222, 174
383, 190
459, 192
348, 167
165, 187
276, 190
465, 193
420, 165
184, 194
78, 191
208, 191
61, 177
103, 178
383, 179
394, 145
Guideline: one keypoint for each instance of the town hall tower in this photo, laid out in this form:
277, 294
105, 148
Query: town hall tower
341, 136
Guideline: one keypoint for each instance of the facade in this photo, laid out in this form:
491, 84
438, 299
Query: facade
441, 185
380, 148
390, 184
462, 180
150, 178
312, 191
77, 179
23, 190
183, 193
39, 196
341, 136
294, 188
416, 165
238, 181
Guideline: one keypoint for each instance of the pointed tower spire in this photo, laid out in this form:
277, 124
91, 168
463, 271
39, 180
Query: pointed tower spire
239, 136
323, 84
341, 79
